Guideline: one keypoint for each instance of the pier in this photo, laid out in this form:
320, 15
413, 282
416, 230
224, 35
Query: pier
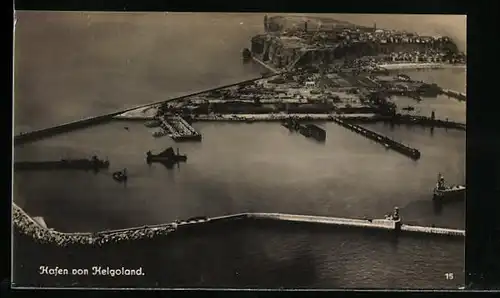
454, 94
383, 140
179, 129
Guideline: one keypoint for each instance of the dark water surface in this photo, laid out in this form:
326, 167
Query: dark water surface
237, 168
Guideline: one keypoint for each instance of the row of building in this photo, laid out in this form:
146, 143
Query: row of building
304, 46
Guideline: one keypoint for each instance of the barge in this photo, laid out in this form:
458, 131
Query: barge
168, 157
64, 164
313, 131
307, 130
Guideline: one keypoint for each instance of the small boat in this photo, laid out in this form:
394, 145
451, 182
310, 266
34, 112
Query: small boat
120, 176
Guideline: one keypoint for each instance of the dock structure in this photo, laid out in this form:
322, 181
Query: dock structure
381, 139
461, 96
307, 130
179, 129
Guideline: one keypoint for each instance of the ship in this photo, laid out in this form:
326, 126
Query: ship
64, 164
167, 157
443, 192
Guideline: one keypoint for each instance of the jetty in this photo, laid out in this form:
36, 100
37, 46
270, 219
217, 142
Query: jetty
381, 139
64, 164
179, 129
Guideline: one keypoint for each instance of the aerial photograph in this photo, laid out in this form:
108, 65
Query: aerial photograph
238, 150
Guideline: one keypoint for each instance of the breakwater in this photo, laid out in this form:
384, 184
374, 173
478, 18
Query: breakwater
90, 121
383, 140
373, 224
62, 128
26, 225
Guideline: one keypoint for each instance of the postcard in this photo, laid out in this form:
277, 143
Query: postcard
238, 151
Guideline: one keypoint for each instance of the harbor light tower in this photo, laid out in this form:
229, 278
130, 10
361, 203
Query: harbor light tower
397, 219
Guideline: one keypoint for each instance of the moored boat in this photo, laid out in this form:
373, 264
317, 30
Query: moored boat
168, 156
64, 164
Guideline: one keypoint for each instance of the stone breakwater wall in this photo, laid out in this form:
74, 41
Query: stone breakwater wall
25, 225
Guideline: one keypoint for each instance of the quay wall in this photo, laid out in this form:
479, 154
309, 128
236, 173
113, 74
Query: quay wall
90, 121
351, 118
263, 117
